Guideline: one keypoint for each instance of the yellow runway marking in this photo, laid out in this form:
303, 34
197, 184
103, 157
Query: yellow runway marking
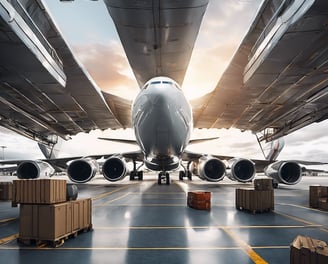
296, 219
139, 205
8, 239
247, 248
7, 220
100, 196
199, 227
118, 198
303, 207
142, 249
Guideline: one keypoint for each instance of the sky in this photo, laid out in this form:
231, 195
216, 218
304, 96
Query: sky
89, 31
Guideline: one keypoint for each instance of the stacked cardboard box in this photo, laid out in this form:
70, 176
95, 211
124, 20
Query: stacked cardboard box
263, 184
45, 215
259, 199
199, 200
6, 191
54, 221
40, 191
253, 200
317, 193
306, 250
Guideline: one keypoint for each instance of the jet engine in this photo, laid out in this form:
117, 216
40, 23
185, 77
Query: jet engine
287, 172
114, 169
209, 168
82, 170
242, 170
34, 169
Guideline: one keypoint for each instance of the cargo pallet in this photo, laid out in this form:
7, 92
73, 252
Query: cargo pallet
56, 242
255, 211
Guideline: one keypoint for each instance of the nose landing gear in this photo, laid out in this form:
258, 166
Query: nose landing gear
164, 176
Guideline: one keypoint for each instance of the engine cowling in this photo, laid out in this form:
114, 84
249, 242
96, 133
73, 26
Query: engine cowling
82, 170
34, 169
241, 170
209, 168
287, 172
114, 169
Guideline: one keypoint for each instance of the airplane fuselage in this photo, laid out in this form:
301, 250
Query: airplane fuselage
162, 121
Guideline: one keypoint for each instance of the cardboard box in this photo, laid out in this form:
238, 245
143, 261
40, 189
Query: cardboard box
40, 191
199, 200
323, 203
315, 193
53, 221
263, 184
82, 213
6, 191
306, 250
253, 200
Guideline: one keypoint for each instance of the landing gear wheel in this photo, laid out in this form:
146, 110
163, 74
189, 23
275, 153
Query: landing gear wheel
167, 176
160, 178
189, 175
140, 175
181, 175
132, 175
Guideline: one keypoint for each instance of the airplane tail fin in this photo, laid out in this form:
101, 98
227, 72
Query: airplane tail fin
51, 152
276, 147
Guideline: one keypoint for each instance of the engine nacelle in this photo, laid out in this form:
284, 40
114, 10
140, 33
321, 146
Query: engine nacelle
82, 170
242, 170
209, 168
34, 169
287, 172
114, 169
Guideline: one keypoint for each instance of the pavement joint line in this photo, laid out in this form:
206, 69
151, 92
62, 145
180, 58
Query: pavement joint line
8, 239
256, 258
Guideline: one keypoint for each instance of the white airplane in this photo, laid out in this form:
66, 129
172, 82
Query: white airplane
275, 84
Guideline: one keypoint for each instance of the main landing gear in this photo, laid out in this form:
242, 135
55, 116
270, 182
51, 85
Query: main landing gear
186, 172
135, 173
183, 174
164, 176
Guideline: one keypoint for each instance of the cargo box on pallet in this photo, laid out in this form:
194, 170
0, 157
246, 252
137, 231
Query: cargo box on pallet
307, 250
263, 184
315, 193
40, 191
253, 200
53, 221
6, 191
323, 203
199, 200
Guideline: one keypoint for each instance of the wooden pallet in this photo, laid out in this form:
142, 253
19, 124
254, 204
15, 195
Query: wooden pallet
57, 242
254, 211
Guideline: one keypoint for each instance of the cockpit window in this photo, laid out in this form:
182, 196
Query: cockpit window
156, 82
167, 82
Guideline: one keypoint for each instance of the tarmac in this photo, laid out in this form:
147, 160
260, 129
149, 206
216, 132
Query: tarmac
143, 222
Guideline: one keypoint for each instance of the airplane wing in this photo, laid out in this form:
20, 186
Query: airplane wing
157, 36
277, 79
44, 90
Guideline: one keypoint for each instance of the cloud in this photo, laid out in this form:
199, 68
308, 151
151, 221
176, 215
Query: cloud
18, 147
223, 27
108, 65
